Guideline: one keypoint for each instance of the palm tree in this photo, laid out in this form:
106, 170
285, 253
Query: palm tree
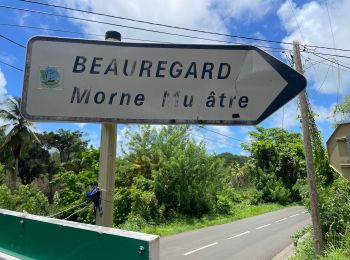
18, 130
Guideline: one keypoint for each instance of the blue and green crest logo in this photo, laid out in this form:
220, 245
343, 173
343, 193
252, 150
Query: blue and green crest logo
50, 77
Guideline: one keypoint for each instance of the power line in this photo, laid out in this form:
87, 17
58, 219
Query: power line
325, 77
49, 29
73, 32
173, 26
203, 127
208, 139
12, 41
153, 23
328, 54
108, 23
295, 17
22, 46
334, 45
67, 31
325, 47
307, 59
301, 33
332, 61
326, 62
11, 66
137, 39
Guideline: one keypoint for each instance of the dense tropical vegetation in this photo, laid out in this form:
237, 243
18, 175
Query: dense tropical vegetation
162, 176
165, 178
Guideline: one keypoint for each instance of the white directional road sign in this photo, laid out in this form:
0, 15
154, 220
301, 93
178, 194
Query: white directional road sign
101, 81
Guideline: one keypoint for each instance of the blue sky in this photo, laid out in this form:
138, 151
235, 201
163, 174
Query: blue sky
320, 23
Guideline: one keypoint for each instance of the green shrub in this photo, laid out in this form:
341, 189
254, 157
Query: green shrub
272, 189
223, 204
26, 198
251, 196
335, 221
335, 210
122, 205
145, 204
29, 198
339, 250
2, 173
134, 223
7, 201
305, 250
296, 236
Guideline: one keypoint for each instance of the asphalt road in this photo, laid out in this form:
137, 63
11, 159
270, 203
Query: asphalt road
261, 237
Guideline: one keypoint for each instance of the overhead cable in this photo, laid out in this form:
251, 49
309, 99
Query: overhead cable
10, 65
10, 40
173, 26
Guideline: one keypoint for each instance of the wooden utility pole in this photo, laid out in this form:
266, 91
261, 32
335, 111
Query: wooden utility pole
304, 109
106, 174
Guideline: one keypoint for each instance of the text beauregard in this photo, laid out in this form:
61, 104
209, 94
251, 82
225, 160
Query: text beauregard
147, 68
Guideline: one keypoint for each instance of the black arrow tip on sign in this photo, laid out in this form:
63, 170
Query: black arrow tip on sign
236, 116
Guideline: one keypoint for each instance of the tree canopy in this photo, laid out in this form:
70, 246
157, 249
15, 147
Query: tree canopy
277, 163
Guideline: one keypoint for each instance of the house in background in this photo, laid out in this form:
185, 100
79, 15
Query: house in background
338, 146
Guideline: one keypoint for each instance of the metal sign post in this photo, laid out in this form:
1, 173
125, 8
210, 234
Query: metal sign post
106, 175
108, 153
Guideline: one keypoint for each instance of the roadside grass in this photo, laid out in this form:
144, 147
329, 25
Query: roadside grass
186, 224
333, 250
305, 250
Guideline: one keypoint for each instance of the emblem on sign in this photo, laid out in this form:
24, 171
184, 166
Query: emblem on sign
50, 77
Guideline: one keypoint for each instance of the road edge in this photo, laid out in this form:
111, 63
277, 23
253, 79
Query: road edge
289, 250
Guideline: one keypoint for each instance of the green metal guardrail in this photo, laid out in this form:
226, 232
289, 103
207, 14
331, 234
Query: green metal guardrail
27, 236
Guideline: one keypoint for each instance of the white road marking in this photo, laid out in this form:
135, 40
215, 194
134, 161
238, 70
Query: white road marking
263, 226
193, 251
280, 220
304, 212
239, 235
294, 215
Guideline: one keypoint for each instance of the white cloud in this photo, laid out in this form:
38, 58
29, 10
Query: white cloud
94, 136
81, 125
157, 127
23, 18
209, 15
244, 153
215, 137
245, 10
192, 14
3, 83
286, 117
323, 113
223, 130
310, 25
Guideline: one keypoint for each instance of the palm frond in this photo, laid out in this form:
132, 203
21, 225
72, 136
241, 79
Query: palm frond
22, 129
7, 115
34, 135
9, 137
